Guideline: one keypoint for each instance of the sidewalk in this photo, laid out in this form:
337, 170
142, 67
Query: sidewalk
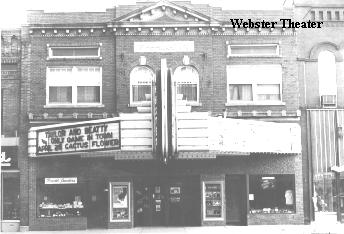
325, 224
323, 228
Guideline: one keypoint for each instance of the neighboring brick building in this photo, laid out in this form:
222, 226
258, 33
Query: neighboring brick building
10, 109
106, 143
320, 66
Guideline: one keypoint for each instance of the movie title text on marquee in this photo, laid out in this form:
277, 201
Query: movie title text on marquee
79, 138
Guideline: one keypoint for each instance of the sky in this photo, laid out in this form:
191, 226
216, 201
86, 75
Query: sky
13, 12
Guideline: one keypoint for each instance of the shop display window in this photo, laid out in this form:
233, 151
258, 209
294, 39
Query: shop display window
11, 200
272, 194
60, 200
213, 200
120, 201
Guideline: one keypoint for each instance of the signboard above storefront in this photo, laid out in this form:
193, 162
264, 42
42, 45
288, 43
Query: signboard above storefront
8, 157
163, 46
81, 137
67, 180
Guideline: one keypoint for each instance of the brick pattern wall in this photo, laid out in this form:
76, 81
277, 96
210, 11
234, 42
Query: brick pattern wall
10, 81
10, 107
37, 76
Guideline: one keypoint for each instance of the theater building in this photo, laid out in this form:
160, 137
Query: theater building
320, 59
159, 114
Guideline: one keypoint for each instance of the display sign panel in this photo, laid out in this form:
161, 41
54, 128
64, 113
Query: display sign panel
81, 137
163, 46
213, 200
67, 180
119, 200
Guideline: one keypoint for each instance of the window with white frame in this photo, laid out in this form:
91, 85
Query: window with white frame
79, 85
258, 50
74, 52
187, 80
327, 73
141, 78
254, 84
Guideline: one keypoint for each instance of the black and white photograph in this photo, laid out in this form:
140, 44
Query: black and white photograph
172, 116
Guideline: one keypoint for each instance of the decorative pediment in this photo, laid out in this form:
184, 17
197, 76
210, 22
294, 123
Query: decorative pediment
164, 11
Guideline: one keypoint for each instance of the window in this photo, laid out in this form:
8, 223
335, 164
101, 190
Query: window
329, 15
336, 13
254, 84
240, 92
321, 15
74, 52
60, 197
120, 201
327, 73
141, 78
11, 201
312, 15
260, 50
14, 45
187, 80
213, 197
74, 85
272, 194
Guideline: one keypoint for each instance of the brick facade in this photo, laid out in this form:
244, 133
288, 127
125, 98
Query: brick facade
117, 60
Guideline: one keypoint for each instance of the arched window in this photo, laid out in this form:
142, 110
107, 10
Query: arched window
187, 79
140, 84
327, 73
14, 44
2, 45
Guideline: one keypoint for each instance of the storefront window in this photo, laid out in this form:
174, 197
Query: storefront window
325, 193
212, 200
120, 202
60, 197
10, 197
272, 194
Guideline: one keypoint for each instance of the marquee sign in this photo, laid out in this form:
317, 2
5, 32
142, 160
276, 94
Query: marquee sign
77, 138
237, 135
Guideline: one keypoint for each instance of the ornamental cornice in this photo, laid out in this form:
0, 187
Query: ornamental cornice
159, 31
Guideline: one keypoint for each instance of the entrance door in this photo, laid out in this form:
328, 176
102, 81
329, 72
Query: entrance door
97, 204
168, 201
236, 200
150, 204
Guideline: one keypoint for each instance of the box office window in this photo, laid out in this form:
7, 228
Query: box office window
56, 198
254, 84
73, 52
119, 201
213, 200
80, 85
272, 194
